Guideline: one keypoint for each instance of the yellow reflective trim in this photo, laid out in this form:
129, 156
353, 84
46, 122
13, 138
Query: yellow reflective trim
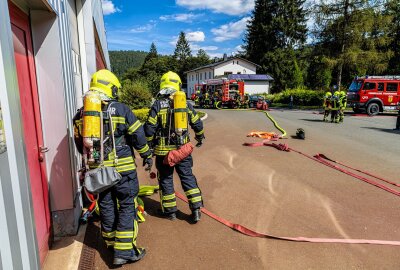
169, 197
192, 191
194, 118
195, 199
108, 234
149, 138
126, 168
118, 119
125, 235
123, 246
135, 232
144, 149
134, 127
169, 204
109, 243
152, 120
200, 132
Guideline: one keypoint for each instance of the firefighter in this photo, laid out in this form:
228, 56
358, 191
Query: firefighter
342, 105
160, 133
327, 105
335, 107
398, 117
119, 228
206, 99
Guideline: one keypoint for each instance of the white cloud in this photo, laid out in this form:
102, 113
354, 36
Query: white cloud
197, 36
183, 17
108, 7
230, 31
230, 7
143, 28
214, 55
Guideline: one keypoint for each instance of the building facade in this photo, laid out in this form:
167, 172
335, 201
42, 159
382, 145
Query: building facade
254, 83
48, 51
234, 65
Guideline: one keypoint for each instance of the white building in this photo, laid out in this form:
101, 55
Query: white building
254, 83
48, 51
235, 65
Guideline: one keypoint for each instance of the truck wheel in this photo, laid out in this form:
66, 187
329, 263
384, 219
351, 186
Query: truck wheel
373, 109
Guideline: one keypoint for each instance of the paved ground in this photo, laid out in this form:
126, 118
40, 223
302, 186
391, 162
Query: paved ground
283, 194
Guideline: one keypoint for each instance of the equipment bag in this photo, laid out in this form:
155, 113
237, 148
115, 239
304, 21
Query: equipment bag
102, 178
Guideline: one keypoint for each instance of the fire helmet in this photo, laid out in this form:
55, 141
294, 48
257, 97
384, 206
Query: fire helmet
300, 133
328, 94
105, 82
172, 81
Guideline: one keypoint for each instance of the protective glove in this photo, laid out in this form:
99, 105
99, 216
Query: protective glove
148, 162
199, 139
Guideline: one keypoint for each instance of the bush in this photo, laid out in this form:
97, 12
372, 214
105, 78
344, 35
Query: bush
135, 94
301, 97
142, 114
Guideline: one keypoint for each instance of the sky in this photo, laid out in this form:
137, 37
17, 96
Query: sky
217, 26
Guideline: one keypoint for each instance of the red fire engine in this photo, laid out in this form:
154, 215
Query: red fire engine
374, 93
221, 93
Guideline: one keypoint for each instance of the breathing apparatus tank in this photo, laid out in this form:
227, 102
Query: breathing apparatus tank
180, 116
92, 125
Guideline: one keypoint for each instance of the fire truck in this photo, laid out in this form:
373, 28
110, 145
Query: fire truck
222, 93
374, 94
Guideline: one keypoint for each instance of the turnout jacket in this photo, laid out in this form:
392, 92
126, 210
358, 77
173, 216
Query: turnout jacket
159, 127
128, 134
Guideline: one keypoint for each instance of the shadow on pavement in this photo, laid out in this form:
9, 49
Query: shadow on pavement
387, 130
312, 120
151, 206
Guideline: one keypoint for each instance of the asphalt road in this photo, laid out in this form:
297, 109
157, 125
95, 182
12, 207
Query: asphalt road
283, 194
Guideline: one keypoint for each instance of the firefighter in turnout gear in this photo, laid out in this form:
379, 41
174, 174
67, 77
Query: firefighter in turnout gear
335, 107
119, 226
342, 105
163, 134
327, 105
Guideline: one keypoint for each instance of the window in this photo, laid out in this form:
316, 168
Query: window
380, 86
197, 76
227, 72
237, 62
391, 87
205, 75
369, 86
239, 72
192, 78
233, 62
201, 76
209, 75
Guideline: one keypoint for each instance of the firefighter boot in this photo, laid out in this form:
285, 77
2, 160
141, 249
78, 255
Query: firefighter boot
133, 257
196, 215
170, 216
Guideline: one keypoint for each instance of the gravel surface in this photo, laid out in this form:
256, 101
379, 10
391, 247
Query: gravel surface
283, 194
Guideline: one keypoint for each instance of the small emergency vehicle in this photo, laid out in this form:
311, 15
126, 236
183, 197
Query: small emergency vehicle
220, 93
374, 94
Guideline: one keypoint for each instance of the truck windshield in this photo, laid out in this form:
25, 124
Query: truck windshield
355, 86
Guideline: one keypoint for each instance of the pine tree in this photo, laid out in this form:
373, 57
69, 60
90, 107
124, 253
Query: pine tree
152, 53
275, 30
393, 10
182, 50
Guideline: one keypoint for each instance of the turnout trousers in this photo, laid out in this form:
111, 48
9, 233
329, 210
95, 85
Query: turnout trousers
119, 224
188, 182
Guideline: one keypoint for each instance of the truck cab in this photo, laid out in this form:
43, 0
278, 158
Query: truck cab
374, 94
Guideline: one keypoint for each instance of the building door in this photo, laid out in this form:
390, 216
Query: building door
33, 139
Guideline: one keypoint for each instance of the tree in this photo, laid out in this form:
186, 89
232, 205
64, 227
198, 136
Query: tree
152, 53
393, 11
351, 33
135, 94
182, 50
276, 29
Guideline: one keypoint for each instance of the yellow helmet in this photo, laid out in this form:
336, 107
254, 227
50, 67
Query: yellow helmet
106, 83
171, 80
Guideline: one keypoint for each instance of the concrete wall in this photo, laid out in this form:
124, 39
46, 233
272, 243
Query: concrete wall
256, 87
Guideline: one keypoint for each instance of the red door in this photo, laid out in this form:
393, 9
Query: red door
32, 124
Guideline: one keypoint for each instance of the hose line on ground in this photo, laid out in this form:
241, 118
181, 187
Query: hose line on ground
276, 124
